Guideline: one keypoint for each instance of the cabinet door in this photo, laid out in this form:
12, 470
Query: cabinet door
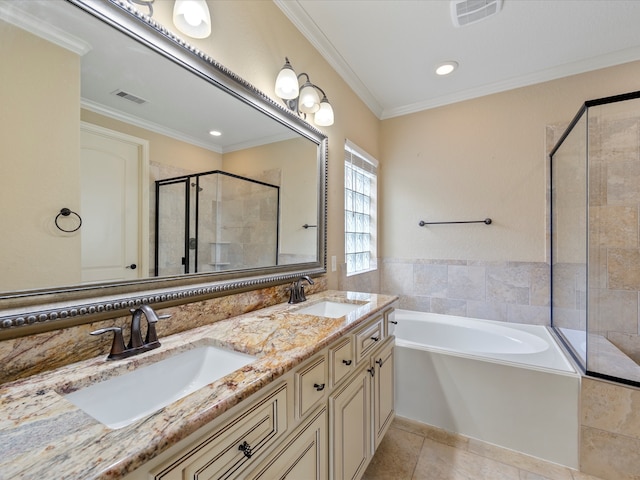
383, 392
224, 453
304, 455
350, 428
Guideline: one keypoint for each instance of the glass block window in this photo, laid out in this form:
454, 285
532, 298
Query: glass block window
360, 209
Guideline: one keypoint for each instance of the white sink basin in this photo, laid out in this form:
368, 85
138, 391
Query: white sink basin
120, 401
329, 309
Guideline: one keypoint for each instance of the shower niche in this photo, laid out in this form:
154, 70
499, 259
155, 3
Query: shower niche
595, 238
215, 221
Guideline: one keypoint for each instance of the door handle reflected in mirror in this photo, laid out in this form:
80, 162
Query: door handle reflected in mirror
133, 266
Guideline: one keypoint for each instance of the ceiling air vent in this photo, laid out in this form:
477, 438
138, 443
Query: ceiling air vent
466, 12
129, 96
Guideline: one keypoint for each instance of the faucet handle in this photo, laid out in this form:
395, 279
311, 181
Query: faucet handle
152, 335
117, 347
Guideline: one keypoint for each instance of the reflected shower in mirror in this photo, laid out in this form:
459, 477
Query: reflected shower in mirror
92, 119
215, 221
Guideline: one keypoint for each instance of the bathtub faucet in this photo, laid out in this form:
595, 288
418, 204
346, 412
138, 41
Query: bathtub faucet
297, 290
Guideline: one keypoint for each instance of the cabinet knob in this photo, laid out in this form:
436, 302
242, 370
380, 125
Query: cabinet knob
245, 448
379, 362
346, 362
395, 322
375, 339
372, 371
318, 386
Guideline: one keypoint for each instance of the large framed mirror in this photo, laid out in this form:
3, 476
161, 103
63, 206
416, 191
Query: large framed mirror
136, 169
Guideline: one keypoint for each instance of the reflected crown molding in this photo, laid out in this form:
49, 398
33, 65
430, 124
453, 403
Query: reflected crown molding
15, 16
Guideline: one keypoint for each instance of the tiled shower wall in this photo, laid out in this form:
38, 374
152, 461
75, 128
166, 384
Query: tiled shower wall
614, 236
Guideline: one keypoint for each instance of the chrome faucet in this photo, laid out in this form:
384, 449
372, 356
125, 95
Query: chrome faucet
297, 290
136, 344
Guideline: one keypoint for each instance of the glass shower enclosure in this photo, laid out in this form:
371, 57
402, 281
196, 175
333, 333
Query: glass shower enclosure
215, 221
595, 238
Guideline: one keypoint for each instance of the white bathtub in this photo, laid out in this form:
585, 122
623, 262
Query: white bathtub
506, 384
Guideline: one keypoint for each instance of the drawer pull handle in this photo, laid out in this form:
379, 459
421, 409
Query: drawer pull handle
375, 339
372, 371
379, 362
395, 322
346, 362
318, 386
246, 449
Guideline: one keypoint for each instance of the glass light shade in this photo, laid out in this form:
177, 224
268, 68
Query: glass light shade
192, 18
324, 116
287, 83
309, 101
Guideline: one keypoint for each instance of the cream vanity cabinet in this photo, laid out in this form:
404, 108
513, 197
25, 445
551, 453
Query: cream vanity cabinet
322, 420
362, 408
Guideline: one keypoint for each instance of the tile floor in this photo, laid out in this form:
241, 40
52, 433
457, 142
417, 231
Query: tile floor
413, 451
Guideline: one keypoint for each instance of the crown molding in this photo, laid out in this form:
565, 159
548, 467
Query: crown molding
21, 19
574, 68
305, 24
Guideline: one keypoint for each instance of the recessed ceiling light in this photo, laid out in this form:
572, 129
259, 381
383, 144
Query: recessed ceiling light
215, 133
446, 68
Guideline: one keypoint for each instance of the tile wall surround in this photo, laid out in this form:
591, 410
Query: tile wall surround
614, 234
506, 291
30, 355
610, 431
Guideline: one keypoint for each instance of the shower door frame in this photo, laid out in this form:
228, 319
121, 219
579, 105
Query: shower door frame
187, 179
583, 111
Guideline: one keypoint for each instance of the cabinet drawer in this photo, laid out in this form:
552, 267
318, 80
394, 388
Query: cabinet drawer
341, 360
369, 338
311, 384
229, 449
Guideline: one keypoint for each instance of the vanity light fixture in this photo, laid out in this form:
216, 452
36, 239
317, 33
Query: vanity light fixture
192, 18
304, 100
446, 68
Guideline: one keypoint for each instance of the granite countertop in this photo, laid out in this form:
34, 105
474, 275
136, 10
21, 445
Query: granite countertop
42, 435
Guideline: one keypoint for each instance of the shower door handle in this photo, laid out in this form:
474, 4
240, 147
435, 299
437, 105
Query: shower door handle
133, 266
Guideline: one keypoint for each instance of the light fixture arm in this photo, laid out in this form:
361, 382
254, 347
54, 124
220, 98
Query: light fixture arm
144, 3
293, 104
301, 95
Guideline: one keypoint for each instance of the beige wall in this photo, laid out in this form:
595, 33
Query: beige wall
39, 132
480, 158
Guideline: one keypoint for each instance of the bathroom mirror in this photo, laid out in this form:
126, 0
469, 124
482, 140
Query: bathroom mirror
102, 103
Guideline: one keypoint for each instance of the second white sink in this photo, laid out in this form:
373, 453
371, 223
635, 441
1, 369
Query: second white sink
122, 400
329, 309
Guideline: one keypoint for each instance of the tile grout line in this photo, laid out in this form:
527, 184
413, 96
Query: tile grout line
415, 465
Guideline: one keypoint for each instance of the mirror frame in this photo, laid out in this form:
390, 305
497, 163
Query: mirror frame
34, 311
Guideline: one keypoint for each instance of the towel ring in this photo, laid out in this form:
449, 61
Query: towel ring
65, 212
